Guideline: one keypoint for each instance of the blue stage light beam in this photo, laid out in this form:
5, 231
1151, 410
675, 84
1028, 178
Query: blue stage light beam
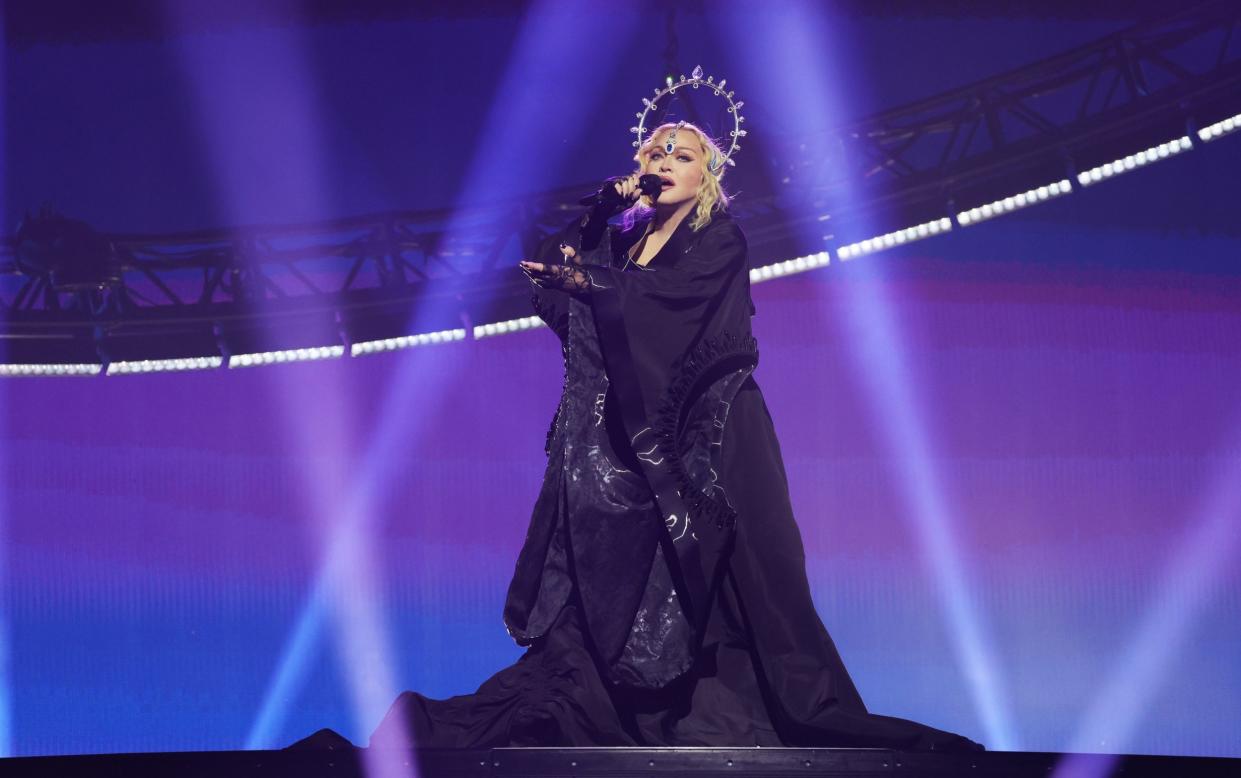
877, 347
553, 32
506, 159
801, 65
394, 423
1209, 549
265, 76
297, 657
534, 130
6, 687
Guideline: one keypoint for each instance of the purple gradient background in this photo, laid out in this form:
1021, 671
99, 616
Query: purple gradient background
158, 551
1076, 369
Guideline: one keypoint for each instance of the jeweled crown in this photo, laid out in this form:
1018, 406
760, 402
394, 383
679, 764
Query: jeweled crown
696, 81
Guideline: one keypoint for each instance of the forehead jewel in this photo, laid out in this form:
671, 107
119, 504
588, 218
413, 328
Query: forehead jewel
671, 142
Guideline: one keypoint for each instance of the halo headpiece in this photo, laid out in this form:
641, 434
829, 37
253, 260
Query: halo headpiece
696, 81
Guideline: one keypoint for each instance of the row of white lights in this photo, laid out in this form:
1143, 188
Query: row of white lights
1220, 129
789, 267
235, 361
158, 365
1134, 161
896, 238
81, 369
508, 325
1010, 204
406, 341
287, 355
801, 264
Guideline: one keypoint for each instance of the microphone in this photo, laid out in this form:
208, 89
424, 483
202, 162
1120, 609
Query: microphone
649, 184
607, 202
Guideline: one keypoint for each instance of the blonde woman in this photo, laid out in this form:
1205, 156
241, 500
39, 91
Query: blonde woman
661, 589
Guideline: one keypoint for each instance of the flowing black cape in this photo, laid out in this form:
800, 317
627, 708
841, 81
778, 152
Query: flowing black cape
661, 586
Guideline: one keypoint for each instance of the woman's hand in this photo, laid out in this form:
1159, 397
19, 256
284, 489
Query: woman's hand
627, 188
567, 277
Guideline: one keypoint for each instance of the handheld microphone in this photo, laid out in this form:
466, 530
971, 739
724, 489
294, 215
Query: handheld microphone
607, 202
649, 184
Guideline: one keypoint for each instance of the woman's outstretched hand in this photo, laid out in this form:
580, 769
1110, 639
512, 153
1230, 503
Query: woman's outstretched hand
567, 277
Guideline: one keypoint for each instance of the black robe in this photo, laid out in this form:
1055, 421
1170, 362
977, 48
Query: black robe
661, 587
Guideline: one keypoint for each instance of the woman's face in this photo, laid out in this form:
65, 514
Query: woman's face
681, 170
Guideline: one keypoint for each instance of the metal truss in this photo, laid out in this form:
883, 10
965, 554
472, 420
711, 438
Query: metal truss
1043, 122
919, 164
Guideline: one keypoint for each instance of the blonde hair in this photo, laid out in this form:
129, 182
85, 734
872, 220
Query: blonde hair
711, 196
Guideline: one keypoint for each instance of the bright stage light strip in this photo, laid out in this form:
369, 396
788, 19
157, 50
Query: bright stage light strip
509, 325
757, 275
891, 239
289, 355
789, 267
1134, 161
156, 365
1009, 204
406, 341
1220, 129
81, 369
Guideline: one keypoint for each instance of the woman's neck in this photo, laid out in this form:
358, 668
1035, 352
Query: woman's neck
666, 220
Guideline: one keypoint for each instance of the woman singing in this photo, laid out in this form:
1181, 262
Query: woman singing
661, 589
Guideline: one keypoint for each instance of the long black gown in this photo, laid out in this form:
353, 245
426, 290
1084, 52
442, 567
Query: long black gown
661, 588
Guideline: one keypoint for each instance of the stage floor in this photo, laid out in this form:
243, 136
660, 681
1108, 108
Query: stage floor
615, 762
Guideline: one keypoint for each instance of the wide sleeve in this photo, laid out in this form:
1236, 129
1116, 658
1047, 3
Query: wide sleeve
676, 344
650, 320
703, 270
551, 305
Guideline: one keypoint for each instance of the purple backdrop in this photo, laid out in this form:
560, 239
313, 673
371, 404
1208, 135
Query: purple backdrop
1014, 451
160, 544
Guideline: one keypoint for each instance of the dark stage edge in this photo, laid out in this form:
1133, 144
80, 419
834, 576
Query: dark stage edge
647, 762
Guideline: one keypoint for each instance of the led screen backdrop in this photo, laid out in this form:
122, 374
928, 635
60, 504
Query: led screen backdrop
1076, 398
1014, 451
